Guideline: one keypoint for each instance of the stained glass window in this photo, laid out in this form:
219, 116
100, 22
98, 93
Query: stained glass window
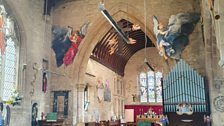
8, 56
150, 86
143, 87
158, 87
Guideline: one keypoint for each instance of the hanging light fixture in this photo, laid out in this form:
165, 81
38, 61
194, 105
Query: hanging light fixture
145, 60
113, 23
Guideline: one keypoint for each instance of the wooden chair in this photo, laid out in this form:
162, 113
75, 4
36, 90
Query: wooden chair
130, 124
115, 123
103, 123
90, 124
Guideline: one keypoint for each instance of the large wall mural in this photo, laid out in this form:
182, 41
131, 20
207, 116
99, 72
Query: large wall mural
66, 42
173, 38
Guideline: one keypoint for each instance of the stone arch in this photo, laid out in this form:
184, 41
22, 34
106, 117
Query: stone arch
101, 24
18, 21
21, 36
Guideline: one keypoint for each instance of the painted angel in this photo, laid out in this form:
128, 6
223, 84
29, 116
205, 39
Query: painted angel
172, 39
66, 42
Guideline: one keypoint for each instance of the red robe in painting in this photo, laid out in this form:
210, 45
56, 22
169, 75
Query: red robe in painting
71, 53
2, 40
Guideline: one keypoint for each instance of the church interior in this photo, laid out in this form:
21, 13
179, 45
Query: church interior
111, 63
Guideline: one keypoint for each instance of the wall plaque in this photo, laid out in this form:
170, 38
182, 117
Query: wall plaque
219, 103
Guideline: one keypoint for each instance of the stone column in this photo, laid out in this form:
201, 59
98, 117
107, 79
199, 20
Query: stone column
80, 104
218, 14
213, 71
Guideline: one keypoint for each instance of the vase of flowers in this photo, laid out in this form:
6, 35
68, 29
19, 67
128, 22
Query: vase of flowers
15, 98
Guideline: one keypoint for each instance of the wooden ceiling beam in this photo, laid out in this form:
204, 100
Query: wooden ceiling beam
123, 51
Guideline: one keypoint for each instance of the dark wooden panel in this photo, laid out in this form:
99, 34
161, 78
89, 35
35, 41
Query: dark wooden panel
104, 123
177, 120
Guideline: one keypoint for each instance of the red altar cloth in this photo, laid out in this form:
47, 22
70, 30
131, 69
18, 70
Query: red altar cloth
141, 109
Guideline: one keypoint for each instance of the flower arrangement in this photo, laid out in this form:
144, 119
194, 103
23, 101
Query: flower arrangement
15, 98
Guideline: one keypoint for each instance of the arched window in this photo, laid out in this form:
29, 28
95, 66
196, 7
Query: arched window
8, 55
150, 86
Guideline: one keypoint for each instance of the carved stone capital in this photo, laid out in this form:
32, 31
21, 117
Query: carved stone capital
221, 63
80, 87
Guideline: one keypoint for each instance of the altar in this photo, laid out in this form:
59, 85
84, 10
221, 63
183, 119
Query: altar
148, 120
58, 122
140, 109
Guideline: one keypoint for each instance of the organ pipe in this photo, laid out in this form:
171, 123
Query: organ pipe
184, 85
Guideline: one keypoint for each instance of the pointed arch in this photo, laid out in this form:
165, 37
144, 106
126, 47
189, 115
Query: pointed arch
118, 12
16, 44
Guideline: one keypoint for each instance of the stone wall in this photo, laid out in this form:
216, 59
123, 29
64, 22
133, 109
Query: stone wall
213, 55
136, 65
36, 42
35, 35
75, 13
96, 74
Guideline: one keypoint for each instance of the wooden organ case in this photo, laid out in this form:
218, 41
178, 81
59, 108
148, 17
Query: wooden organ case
183, 85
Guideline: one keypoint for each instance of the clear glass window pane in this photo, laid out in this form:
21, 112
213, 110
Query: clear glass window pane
8, 63
9, 71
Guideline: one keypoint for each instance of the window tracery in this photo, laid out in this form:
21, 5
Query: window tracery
8, 55
150, 86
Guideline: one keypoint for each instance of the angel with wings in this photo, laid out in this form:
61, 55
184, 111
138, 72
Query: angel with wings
66, 42
172, 39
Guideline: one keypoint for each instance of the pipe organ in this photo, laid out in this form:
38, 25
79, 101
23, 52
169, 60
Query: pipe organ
184, 85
